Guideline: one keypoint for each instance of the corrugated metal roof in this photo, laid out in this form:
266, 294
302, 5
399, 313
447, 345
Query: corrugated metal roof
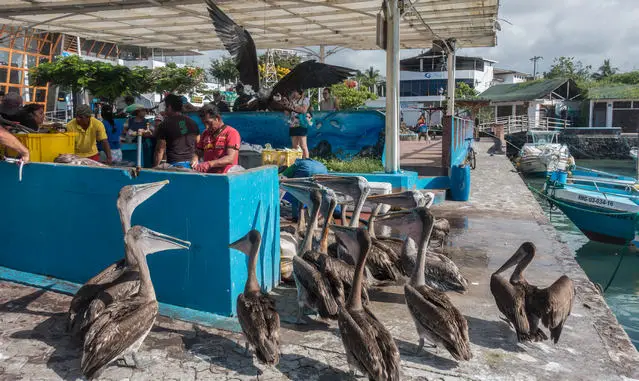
625, 92
525, 91
185, 24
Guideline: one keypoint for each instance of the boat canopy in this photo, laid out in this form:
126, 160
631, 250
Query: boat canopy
542, 137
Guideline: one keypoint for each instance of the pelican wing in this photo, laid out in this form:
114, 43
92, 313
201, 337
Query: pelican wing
311, 279
360, 344
511, 302
387, 347
309, 75
559, 299
89, 290
435, 312
260, 323
239, 44
118, 328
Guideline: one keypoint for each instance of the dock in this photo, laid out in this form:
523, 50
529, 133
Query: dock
500, 215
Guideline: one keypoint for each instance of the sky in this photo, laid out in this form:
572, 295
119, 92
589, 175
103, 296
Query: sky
589, 30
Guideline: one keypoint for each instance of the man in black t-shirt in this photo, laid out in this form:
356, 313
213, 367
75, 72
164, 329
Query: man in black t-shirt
176, 135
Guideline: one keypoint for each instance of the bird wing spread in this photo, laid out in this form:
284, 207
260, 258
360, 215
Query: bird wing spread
117, 328
309, 75
239, 44
560, 297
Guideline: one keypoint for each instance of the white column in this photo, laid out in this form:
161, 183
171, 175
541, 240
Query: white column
451, 79
392, 87
322, 57
513, 110
592, 107
609, 114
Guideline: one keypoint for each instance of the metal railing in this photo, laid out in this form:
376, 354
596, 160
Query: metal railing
520, 123
60, 116
461, 132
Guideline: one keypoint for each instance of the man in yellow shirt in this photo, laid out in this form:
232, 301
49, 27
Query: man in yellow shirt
89, 131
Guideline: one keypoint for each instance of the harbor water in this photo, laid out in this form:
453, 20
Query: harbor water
611, 266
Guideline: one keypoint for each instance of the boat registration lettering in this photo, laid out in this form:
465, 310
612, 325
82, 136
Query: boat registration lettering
595, 200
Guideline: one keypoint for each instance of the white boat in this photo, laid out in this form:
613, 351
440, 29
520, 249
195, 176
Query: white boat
633, 152
543, 154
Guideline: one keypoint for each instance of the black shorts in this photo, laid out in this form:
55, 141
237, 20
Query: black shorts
298, 131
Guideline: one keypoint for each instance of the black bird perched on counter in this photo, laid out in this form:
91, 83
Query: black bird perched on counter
239, 43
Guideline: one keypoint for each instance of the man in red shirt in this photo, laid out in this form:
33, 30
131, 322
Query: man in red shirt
219, 144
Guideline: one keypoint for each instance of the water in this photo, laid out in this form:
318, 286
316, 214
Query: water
599, 260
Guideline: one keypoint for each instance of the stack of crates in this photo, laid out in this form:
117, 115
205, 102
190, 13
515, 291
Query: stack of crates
280, 157
45, 148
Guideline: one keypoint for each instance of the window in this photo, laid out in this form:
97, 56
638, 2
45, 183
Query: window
17, 59
31, 61
13, 89
15, 76
621, 105
41, 95
46, 48
4, 75
4, 58
635, 104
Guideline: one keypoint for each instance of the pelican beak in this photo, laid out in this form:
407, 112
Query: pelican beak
300, 192
161, 242
526, 248
134, 195
407, 200
245, 243
411, 222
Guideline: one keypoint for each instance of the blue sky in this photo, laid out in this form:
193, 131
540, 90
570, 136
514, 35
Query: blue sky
589, 30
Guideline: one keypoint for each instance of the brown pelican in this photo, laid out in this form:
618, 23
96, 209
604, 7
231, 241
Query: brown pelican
313, 289
338, 275
129, 198
239, 43
369, 346
435, 316
124, 324
524, 304
256, 311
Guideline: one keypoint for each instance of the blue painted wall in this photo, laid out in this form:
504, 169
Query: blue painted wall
62, 222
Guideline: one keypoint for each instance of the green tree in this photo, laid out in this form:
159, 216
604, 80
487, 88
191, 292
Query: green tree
464, 91
567, 67
351, 98
605, 71
70, 73
112, 81
629, 78
224, 70
179, 80
370, 78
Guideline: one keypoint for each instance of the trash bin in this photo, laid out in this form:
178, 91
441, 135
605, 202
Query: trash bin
460, 183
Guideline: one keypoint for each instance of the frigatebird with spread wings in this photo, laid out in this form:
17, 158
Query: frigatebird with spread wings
239, 43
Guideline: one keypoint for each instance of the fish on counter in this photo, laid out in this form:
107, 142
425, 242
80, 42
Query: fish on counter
67, 158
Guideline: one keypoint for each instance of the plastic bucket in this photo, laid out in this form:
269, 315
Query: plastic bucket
460, 183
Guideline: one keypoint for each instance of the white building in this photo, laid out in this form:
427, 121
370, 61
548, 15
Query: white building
424, 80
501, 76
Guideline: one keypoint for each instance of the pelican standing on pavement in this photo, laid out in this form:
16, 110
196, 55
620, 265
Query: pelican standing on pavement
435, 316
256, 311
124, 324
129, 198
524, 304
369, 346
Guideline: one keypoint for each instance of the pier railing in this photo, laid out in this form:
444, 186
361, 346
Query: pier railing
513, 124
455, 144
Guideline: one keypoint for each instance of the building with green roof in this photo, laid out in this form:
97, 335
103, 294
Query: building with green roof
557, 98
614, 105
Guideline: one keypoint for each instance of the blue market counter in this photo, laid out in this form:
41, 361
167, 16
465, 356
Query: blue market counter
61, 221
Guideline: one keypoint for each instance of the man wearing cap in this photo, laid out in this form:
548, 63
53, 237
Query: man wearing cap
89, 131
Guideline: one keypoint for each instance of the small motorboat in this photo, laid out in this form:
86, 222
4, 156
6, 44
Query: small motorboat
603, 212
543, 154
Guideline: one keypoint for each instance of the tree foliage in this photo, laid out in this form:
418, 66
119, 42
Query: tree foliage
351, 98
605, 71
464, 91
568, 67
70, 73
223, 69
179, 80
369, 78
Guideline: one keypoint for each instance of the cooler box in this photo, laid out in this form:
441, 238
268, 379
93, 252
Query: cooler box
45, 147
280, 157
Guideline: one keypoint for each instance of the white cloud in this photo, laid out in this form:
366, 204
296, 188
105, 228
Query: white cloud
589, 30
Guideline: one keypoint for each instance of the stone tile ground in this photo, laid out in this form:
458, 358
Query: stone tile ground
486, 230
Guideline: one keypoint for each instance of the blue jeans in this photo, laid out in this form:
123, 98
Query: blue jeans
182, 164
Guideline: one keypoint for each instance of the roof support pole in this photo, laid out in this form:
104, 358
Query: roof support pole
451, 77
590, 112
391, 164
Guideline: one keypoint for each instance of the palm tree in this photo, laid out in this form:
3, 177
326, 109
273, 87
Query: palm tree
371, 79
606, 70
